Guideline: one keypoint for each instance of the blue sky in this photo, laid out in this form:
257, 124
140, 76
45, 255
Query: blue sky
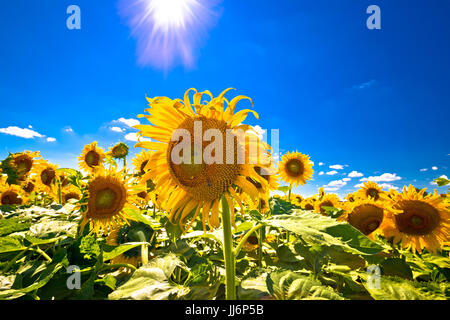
372, 101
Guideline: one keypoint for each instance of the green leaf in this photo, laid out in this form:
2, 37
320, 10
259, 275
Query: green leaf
319, 229
59, 261
254, 286
288, 285
279, 206
110, 252
11, 244
442, 181
8, 226
150, 282
396, 267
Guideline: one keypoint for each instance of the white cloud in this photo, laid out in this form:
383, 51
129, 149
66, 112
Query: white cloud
117, 129
388, 186
346, 179
333, 172
30, 126
19, 132
424, 169
365, 84
51, 139
259, 131
434, 168
68, 129
337, 167
359, 185
337, 184
321, 163
385, 177
128, 122
321, 173
330, 188
355, 174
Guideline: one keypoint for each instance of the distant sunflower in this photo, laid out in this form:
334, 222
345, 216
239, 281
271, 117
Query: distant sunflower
140, 162
91, 158
194, 185
109, 193
70, 193
29, 186
328, 200
132, 232
366, 215
321, 192
295, 168
118, 151
18, 166
46, 175
12, 195
307, 204
370, 190
418, 221
296, 199
351, 197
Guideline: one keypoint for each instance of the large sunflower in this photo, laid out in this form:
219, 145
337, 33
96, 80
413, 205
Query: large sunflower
418, 221
328, 200
366, 215
12, 195
295, 168
308, 203
109, 193
193, 181
91, 158
369, 190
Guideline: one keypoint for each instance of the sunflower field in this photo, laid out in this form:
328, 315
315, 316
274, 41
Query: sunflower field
152, 228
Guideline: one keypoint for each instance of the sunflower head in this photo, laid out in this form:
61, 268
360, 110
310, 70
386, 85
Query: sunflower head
201, 155
91, 158
328, 200
18, 166
119, 151
417, 220
307, 204
366, 215
140, 162
109, 194
295, 168
12, 195
370, 190
70, 192
46, 175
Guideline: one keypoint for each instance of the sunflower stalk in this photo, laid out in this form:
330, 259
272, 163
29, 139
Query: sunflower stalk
228, 252
144, 247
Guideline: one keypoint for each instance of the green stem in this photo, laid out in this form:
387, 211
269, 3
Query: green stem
59, 192
244, 238
42, 253
260, 240
11, 263
290, 187
230, 267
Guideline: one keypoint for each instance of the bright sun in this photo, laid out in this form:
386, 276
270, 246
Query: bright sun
170, 13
